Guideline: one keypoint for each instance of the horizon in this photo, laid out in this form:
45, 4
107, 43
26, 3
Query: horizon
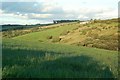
51, 22
44, 12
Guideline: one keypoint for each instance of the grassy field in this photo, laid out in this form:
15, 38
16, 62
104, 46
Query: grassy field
55, 53
97, 34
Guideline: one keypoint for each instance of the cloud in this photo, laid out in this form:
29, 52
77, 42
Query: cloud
97, 13
52, 8
39, 16
31, 7
46, 11
10, 18
22, 7
14, 15
1, 11
82, 17
107, 15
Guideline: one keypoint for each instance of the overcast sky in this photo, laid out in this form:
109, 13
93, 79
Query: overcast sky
45, 11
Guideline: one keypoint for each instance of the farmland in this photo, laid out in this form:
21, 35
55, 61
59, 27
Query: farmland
67, 50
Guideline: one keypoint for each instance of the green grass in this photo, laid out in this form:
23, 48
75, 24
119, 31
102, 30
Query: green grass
78, 34
38, 55
35, 59
42, 35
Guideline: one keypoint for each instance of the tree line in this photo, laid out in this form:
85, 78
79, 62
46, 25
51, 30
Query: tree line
63, 21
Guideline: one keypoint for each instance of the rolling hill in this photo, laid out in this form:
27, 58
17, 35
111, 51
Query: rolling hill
67, 50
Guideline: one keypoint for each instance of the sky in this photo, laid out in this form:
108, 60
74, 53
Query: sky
45, 11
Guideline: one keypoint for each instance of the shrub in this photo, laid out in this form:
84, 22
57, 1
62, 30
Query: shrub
81, 43
75, 28
99, 29
49, 37
90, 45
108, 37
112, 45
83, 32
89, 33
107, 22
64, 32
56, 39
40, 40
88, 25
97, 45
35, 29
95, 36
92, 35
89, 39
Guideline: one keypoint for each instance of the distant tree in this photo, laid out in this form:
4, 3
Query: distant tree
62, 21
54, 21
91, 19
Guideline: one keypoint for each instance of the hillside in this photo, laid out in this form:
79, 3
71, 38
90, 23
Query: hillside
35, 59
69, 50
98, 34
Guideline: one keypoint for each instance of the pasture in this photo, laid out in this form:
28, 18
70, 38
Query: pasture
63, 51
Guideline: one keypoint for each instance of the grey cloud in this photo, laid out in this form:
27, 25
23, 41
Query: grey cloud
41, 9
23, 7
28, 7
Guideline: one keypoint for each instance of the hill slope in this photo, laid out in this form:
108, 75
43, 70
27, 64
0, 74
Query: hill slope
98, 34
58, 51
20, 57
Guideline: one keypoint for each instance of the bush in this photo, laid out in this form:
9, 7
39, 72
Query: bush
112, 45
49, 37
64, 32
81, 43
107, 45
107, 37
97, 45
98, 29
83, 32
40, 40
56, 39
76, 28
92, 35
89, 39
95, 36
35, 29
90, 45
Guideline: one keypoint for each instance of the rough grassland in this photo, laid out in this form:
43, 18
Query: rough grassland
97, 34
35, 59
35, 55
